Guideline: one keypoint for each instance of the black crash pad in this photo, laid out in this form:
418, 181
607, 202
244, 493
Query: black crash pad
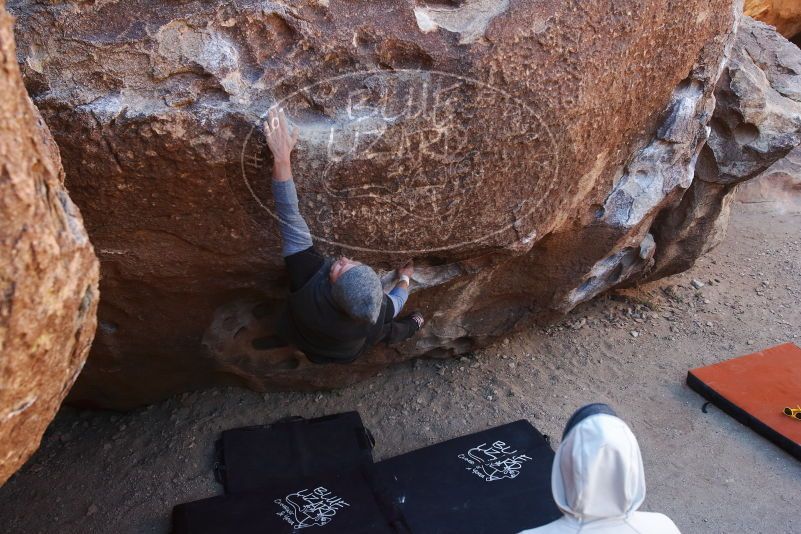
260, 456
334, 504
493, 482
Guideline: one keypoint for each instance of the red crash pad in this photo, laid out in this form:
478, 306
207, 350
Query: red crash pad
755, 389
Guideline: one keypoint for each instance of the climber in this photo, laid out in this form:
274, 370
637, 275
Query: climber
597, 479
337, 308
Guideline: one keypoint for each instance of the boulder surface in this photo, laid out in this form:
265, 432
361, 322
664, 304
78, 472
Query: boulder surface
756, 123
48, 271
520, 150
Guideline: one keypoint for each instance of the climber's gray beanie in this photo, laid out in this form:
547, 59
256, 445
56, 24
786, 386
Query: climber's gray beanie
358, 292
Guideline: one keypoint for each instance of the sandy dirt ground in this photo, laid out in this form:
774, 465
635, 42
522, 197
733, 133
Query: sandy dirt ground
103, 472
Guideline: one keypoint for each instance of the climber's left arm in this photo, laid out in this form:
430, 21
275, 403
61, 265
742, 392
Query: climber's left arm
400, 293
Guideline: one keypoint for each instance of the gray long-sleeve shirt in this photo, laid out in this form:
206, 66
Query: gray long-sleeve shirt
295, 234
296, 237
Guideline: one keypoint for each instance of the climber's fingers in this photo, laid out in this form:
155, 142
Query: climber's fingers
276, 121
283, 123
281, 135
407, 269
269, 124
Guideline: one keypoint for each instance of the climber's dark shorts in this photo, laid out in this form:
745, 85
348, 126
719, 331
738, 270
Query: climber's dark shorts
394, 331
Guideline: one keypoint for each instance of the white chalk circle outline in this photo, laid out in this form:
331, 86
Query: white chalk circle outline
462, 244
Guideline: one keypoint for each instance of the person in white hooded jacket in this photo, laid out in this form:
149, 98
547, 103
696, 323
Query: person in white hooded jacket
597, 479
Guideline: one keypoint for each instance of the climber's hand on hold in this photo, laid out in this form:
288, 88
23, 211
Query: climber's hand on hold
406, 270
280, 138
281, 142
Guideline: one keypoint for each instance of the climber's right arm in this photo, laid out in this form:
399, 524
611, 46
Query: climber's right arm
301, 258
295, 234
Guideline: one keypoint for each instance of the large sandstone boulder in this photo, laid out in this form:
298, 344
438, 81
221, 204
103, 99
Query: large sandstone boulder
756, 123
785, 15
48, 271
520, 150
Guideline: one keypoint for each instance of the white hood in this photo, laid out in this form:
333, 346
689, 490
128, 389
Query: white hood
598, 471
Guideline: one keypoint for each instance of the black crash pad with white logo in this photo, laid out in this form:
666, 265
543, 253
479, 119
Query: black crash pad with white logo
493, 482
257, 457
336, 504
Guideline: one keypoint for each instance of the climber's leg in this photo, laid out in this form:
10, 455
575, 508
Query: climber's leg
402, 329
